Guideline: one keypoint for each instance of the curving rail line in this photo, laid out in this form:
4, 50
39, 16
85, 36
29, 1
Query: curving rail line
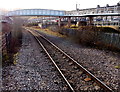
100, 83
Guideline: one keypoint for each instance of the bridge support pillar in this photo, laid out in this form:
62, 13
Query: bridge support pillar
90, 20
59, 22
69, 21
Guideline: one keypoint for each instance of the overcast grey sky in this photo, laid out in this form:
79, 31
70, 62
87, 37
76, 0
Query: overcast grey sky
54, 4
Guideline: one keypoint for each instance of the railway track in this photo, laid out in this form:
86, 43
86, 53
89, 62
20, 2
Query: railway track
75, 75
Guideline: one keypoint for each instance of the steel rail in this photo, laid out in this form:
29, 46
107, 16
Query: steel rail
85, 70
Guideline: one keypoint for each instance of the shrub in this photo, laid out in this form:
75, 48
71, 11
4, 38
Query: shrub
87, 35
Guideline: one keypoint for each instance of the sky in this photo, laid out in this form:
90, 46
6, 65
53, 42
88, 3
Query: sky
54, 4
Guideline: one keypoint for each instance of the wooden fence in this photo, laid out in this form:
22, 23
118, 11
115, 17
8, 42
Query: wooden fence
6, 40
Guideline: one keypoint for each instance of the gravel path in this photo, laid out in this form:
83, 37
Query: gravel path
100, 63
33, 71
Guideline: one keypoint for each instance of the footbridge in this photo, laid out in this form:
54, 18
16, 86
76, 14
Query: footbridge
36, 12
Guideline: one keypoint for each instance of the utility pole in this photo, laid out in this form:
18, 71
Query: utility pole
77, 6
